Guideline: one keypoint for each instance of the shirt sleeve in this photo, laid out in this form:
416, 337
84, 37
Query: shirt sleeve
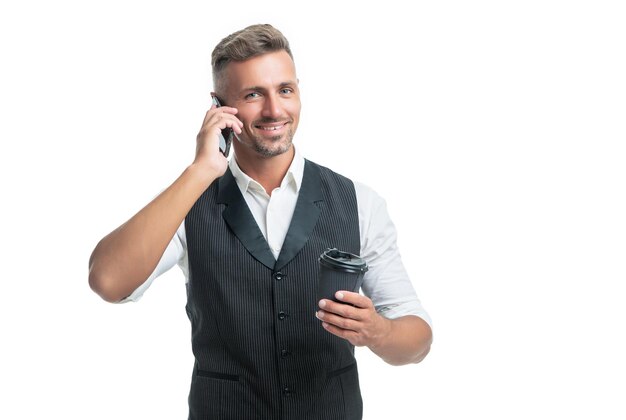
386, 282
175, 253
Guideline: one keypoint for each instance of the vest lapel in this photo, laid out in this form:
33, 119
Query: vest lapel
304, 217
239, 218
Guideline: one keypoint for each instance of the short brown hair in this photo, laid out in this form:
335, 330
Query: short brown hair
245, 44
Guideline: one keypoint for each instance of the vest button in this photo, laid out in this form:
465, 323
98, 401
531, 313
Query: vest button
286, 391
285, 353
279, 276
282, 315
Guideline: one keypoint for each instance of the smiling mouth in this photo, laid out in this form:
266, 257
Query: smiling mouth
271, 125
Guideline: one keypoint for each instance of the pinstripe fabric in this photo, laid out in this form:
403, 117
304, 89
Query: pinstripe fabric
260, 352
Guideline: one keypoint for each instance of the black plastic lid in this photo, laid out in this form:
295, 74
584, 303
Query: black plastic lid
343, 261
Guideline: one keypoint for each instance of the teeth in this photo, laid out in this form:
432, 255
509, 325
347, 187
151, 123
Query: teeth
271, 128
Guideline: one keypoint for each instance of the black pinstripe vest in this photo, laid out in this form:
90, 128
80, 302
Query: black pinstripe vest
260, 352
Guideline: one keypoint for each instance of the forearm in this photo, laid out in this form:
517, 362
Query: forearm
406, 340
397, 341
125, 258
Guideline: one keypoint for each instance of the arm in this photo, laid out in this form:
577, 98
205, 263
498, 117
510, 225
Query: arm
124, 258
403, 334
397, 341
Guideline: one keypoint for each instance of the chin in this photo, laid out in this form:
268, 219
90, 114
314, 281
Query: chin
272, 152
273, 147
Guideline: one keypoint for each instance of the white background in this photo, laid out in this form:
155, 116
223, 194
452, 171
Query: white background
495, 130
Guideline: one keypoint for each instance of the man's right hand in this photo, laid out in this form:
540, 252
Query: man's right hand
208, 155
124, 258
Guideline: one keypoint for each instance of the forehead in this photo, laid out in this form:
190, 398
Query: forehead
266, 71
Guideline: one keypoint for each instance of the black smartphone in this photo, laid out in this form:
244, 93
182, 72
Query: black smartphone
226, 137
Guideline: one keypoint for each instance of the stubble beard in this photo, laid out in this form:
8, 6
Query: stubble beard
275, 147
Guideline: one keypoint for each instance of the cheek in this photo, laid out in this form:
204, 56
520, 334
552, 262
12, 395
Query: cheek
247, 111
294, 110
246, 117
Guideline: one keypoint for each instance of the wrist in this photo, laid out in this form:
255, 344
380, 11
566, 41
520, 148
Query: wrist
202, 174
382, 337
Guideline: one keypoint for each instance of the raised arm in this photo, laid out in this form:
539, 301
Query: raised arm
125, 258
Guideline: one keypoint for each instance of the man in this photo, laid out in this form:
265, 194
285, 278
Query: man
248, 234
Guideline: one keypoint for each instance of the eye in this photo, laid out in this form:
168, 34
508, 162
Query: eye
252, 95
286, 91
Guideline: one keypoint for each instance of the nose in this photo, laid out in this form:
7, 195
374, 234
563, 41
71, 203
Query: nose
272, 107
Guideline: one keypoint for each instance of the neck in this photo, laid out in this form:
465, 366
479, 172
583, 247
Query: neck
269, 172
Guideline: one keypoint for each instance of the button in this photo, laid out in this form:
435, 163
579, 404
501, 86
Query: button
279, 276
282, 315
285, 353
286, 391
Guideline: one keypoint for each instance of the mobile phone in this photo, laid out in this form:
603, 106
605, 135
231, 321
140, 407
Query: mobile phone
226, 136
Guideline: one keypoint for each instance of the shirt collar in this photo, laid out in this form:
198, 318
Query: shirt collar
293, 176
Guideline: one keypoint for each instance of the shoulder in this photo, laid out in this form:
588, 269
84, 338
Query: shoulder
365, 194
368, 200
327, 173
332, 184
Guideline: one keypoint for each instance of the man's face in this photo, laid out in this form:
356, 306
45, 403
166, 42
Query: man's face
264, 89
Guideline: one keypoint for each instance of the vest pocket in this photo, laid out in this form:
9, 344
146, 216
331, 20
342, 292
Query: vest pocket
214, 395
348, 380
338, 372
217, 375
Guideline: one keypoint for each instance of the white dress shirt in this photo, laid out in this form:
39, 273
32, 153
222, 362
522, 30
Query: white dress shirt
386, 281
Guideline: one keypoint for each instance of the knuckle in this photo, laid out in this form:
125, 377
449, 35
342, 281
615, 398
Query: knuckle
357, 340
343, 323
344, 310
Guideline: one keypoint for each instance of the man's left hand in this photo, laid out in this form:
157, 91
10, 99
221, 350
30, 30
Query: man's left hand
359, 324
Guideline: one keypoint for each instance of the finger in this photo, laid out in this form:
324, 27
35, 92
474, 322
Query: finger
220, 120
355, 299
208, 114
345, 334
342, 309
239, 126
229, 120
214, 110
223, 121
338, 321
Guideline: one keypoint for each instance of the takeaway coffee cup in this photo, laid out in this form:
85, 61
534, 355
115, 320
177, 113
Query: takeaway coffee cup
339, 271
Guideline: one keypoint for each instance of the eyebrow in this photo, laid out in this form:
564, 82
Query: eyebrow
261, 88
